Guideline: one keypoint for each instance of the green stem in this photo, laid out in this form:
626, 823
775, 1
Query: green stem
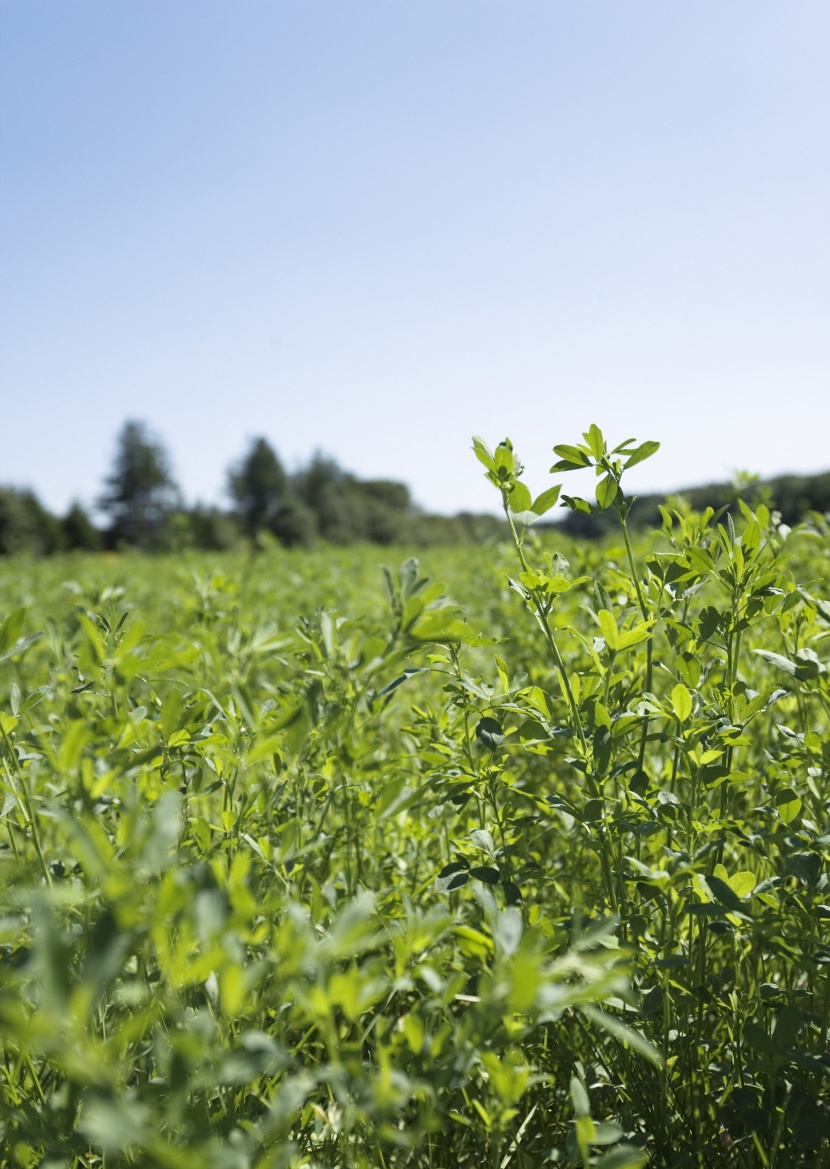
733, 651
640, 597
825, 1012
541, 617
10, 766
641, 600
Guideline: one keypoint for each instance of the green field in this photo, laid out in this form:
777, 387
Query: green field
307, 862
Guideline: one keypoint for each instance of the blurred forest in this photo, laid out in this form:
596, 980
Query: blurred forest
141, 507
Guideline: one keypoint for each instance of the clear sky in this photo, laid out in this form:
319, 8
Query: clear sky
376, 227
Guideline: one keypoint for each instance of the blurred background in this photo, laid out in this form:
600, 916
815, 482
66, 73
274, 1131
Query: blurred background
363, 232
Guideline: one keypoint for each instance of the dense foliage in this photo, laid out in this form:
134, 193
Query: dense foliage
309, 863
143, 508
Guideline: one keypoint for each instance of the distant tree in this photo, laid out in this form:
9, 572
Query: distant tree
313, 483
295, 524
349, 509
79, 532
393, 495
140, 494
211, 529
794, 495
258, 486
325, 488
26, 526
387, 508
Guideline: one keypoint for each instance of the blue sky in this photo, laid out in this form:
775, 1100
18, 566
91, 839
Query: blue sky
377, 228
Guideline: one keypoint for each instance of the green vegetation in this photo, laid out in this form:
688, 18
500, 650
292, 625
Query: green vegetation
305, 862
792, 496
143, 508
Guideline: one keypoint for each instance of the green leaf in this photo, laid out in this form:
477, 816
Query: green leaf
10, 629
75, 739
609, 629
504, 458
596, 443
788, 805
681, 701
484, 454
724, 895
20, 646
607, 490
519, 498
805, 867
742, 883
778, 661
353, 930
452, 876
758, 1039
606, 1133
577, 504
113, 1123
628, 637
571, 458
243, 705
489, 732
579, 1097
437, 625
405, 676
89, 843
508, 931
622, 1157
482, 838
625, 1034
808, 664
525, 518
710, 620
811, 1126
461, 631
644, 451
544, 502
821, 607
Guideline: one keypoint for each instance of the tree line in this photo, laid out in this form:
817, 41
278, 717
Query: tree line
792, 496
142, 507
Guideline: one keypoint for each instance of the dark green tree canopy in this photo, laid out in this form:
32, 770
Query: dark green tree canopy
329, 492
26, 526
140, 493
79, 532
258, 486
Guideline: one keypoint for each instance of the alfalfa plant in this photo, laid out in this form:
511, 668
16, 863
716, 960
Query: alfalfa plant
702, 803
540, 586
